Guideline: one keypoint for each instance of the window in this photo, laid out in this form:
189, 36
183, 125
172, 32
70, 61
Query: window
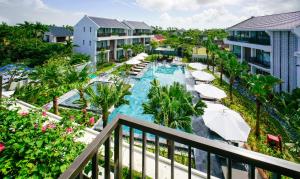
90, 29
83, 42
90, 43
83, 29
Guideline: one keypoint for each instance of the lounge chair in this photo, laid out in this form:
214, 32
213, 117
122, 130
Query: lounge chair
136, 69
133, 73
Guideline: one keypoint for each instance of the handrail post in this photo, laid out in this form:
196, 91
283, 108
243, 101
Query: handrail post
107, 158
131, 153
118, 152
1, 78
95, 169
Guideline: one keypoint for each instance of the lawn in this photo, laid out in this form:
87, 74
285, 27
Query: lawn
105, 67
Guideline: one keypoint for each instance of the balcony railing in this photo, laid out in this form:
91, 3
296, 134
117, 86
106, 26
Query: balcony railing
141, 33
254, 160
110, 34
259, 62
102, 48
260, 41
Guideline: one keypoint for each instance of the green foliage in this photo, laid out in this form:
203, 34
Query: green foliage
35, 148
24, 43
107, 95
138, 48
79, 58
122, 70
172, 106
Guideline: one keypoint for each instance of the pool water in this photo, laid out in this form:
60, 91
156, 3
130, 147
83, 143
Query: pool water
166, 74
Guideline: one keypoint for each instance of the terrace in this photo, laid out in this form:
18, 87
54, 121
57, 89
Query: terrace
260, 38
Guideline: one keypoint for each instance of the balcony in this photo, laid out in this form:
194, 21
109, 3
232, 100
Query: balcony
252, 40
259, 62
114, 129
110, 34
141, 33
102, 48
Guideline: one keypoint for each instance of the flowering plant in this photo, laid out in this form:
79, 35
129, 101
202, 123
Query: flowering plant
33, 146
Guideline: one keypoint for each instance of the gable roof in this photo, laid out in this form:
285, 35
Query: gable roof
284, 21
108, 23
137, 25
59, 31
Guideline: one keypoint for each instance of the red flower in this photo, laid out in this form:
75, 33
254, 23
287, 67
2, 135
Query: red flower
44, 128
24, 113
72, 118
2, 147
69, 130
44, 113
92, 120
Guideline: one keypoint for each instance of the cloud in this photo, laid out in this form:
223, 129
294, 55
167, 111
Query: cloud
210, 18
18, 11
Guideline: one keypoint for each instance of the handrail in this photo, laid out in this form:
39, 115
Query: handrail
235, 154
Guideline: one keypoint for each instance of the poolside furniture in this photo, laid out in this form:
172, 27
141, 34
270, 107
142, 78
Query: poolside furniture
136, 69
203, 76
226, 122
197, 66
209, 92
133, 62
133, 73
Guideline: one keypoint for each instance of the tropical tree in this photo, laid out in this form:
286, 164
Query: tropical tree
154, 45
172, 107
213, 49
126, 47
207, 43
223, 57
101, 57
52, 77
79, 80
261, 86
106, 95
138, 48
234, 69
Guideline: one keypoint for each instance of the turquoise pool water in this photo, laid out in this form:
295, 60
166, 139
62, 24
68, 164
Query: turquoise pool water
165, 73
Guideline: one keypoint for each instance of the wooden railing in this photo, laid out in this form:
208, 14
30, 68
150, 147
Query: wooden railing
254, 160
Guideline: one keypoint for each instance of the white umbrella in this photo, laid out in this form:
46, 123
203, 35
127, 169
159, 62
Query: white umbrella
209, 91
143, 55
138, 57
227, 123
197, 66
203, 76
133, 62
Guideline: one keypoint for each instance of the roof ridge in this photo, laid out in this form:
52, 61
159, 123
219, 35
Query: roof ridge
277, 14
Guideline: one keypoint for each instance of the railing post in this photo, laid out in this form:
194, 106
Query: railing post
156, 156
172, 159
131, 153
144, 156
229, 165
252, 172
118, 152
107, 158
190, 163
95, 169
208, 165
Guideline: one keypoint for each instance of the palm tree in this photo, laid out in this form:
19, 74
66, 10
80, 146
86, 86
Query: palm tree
126, 47
213, 48
234, 69
172, 107
107, 95
206, 43
52, 78
223, 57
138, 48
261, 86
78, 80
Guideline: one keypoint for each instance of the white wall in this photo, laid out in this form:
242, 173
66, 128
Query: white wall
87, 36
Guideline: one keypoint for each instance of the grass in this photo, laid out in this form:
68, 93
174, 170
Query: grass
123, 68
268, 125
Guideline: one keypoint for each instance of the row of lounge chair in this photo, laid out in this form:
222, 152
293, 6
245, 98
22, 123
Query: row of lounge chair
136, 69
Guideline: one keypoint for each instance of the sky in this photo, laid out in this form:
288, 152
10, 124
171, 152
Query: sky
200, 14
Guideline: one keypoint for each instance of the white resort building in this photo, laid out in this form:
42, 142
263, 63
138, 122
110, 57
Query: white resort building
270, 45
94, 34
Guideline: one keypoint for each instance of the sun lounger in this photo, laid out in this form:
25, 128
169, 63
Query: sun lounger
136, 69
133, 73
139, 67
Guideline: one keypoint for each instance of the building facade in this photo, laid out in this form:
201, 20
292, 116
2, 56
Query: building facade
58, 35
94, 35
270, 45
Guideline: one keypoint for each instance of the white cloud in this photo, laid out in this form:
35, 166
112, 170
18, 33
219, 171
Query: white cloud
210, 18
17, 11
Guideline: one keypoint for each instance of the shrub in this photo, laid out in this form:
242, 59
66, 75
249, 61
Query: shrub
35, 147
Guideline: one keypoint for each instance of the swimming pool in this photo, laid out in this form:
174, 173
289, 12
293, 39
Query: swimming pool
166, 74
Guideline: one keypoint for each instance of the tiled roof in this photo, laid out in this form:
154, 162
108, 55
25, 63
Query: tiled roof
137, 25
108, 23
59, 31
284, 21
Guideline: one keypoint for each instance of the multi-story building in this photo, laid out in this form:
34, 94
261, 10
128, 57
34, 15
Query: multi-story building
94, 34
270, 45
